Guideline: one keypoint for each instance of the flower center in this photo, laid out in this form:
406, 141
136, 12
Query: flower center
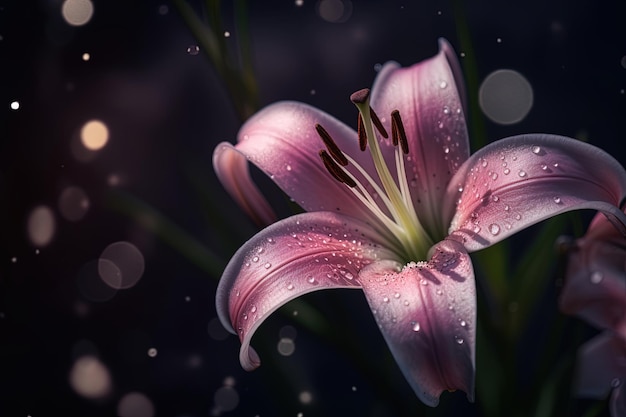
391, 200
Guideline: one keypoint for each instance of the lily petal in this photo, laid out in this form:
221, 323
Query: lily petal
602, 366
281, 140
429, 96
233, 171
595, 289
295, 256
518, 181
427, 314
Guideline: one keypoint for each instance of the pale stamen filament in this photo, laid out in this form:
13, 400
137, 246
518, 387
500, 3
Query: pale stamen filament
400, 217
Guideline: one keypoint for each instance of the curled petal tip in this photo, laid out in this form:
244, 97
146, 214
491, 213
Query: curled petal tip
249, 358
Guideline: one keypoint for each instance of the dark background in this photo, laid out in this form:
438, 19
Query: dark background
166, 110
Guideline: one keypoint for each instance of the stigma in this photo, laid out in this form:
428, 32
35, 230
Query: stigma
386, 196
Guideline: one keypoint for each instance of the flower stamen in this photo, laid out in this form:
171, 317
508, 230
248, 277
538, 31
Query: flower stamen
332, 147
335, 170
387, 197
398, 133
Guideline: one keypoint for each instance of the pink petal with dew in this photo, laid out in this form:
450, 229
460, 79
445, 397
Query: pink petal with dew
601, 366
282, 141
295, 256
595, 287
428, 96
518, 181
427, 314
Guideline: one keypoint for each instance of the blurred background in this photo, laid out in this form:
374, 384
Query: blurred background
115, 230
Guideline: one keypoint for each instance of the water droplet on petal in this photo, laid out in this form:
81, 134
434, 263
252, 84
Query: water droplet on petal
443, 84
267, 265
255, 259
290, 287
311, 279
459, 340
463, 323
522, 173
494, 229
507, 171
415, 326
253, 309
557, 200
396, 295
536, 149
193, 50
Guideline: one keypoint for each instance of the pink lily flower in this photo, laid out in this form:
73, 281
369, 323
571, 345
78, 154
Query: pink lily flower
396, 217
595, 290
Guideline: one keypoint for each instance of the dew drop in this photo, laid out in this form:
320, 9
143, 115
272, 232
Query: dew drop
459, 340
288, 167
536, 149
507, 171
270, 240
596, 277
494, 229
255, 259
522, 173
544, 167
386, 299
396, 295
311, 279
557, 200
507, 207
193, 50
494, 176
253, 309
518, 216
267, 265
349, 275
290, 287
443, 84
495, 198
463, 323
446, 149
415, 326
446, 110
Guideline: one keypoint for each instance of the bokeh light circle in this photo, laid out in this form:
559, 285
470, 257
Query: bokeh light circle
334, 11
41, 226
505, 96
73, 203
90, 378
135, 404
226, 398
77, 12
121, 265
94, 135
